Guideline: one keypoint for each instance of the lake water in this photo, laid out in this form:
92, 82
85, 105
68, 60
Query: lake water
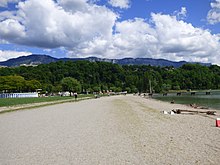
200, 98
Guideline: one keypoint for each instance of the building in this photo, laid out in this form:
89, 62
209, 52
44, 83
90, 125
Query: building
18, 95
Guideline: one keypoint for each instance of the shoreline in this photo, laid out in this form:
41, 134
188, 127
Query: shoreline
152, 103
207, 101
167, 106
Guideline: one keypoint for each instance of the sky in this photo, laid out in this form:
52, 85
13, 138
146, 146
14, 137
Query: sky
176, 30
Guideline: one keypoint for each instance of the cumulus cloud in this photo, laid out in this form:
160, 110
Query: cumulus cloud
135, 37
165, 37
5, 55
132, 38
213, 16
50, 24
181, 40
123, 4
12, 30
4, 3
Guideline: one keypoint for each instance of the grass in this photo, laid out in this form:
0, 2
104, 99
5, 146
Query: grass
6, 102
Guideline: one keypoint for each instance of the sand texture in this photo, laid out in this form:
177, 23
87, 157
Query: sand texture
113, 130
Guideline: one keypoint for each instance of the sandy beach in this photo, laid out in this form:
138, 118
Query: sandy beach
109, 130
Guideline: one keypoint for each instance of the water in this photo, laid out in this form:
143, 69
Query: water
200, 98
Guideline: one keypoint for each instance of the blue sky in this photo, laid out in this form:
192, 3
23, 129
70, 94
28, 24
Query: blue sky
169, 29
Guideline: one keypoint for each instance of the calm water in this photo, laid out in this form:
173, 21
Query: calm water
211, 101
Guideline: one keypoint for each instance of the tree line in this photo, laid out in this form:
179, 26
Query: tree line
103, 76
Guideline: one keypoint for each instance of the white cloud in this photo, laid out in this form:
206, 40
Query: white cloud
12, 30
5, 55
50, 25
213, 16
123, 4
7, 14
4, 3
182, 41
133, 38
166, 37
215, 4
181, 14
73, 5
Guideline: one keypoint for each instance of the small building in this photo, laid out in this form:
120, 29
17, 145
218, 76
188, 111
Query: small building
18, 95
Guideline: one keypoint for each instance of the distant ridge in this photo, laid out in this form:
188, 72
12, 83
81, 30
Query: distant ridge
37, 59
29, 60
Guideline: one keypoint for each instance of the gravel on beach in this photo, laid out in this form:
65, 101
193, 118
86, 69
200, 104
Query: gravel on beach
110, 130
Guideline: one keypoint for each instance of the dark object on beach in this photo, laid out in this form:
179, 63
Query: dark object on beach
164, 94
172, 102
210, 112
179, 94
150, 94
75, 95
193, 93
181, 111
208, 93
197, 106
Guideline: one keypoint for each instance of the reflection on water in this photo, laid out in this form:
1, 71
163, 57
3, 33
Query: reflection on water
200, 98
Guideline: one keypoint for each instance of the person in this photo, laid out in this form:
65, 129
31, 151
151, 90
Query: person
75, 95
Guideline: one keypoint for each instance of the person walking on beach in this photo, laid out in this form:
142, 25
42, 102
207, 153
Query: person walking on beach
75, 95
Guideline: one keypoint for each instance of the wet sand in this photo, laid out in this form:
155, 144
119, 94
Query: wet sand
110, 130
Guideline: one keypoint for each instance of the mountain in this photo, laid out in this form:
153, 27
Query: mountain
45, 59
29, 60
150, 61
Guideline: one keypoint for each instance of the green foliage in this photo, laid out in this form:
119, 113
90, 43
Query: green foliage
96, 89
88, 76
32, 85
70, 84
166, 87
18, 84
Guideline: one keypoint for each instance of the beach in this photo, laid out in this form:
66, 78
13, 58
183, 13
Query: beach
109, 130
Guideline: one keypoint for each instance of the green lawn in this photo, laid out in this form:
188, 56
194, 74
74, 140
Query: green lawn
18, 101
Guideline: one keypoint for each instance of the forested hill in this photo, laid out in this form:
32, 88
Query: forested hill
96, 76
45, 59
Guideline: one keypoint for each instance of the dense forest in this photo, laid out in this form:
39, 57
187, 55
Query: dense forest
103, 76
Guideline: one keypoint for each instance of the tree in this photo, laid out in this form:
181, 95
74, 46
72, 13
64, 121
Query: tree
70, 84
32, 85
11, 83
57, 88
128, 89
166, 87
96, 89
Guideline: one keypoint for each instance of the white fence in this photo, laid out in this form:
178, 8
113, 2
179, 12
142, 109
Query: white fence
18, 95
